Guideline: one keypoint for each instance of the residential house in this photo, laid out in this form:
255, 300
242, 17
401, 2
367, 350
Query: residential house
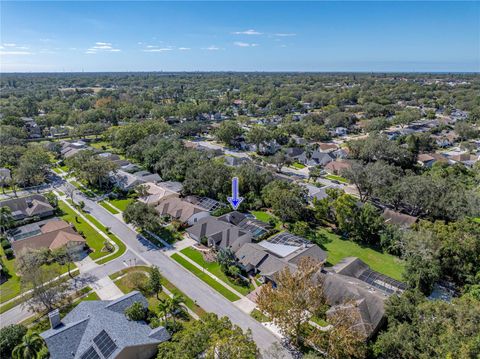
352, 287
317, 158
146, 176
159, 191
340, 131
184, 211
293, 153
53, 234
124, 180
271, 256
399, 219
327, 147
30, 125
34, 205
206, 203
99, 329
335, 167
256, 228
70, 148
219, 234
425, 160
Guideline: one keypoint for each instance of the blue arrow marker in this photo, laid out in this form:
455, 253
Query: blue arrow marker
235, 200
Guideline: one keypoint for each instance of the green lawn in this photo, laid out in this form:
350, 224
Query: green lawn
336, 178
259, 316
91, 296
262, 216
94, 239
121, 246
214, 268
381, 262
477, 219
206, 278
319, 321
298, 165
10, 288
57, 170
121, 204
64, 168
153, 300
108, 208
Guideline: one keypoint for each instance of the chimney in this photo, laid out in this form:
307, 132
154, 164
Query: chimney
203, 230
54, 318
29, 203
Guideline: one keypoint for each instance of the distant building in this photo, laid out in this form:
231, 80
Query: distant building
159, 191
29, 206
398, 219
335, 167
99, 329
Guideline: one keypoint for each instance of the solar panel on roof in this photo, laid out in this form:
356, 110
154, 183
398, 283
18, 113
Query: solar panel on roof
90, 353
288, 239
382, 282
105, 344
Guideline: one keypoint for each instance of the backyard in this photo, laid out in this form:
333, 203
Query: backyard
339, 248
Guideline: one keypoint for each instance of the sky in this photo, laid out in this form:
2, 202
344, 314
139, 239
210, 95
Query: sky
240, 36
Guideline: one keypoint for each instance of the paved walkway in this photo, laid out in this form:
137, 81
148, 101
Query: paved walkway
205, 296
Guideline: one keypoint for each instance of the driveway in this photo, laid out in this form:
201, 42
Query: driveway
204, 295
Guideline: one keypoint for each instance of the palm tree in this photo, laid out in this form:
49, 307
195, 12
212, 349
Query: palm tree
6, 218
163, 309
176, 305
29, 348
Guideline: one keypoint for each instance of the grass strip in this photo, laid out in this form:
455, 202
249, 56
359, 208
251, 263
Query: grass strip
205, 277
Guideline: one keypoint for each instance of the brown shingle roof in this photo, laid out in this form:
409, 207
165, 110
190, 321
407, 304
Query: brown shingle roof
56, 236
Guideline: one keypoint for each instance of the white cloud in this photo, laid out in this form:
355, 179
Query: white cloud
9, 44
245, 44
285, 34
184, 48
6, 53
163, 49
283, 45
102, 47
211, 48
247, 32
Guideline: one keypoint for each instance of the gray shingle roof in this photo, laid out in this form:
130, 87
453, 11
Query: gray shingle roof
33, 205
86, 321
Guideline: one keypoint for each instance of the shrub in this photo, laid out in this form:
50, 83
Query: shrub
5, 244
136, 312
9, 253
10, 337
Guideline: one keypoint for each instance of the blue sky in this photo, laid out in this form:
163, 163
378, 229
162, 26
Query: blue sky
240, 36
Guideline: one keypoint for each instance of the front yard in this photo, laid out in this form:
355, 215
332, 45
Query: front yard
336, 178
206, 278
126, 285
216, 270
121, 204
94, 239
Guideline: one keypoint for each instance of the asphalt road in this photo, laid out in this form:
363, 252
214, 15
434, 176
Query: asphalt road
20, 312
204, 295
